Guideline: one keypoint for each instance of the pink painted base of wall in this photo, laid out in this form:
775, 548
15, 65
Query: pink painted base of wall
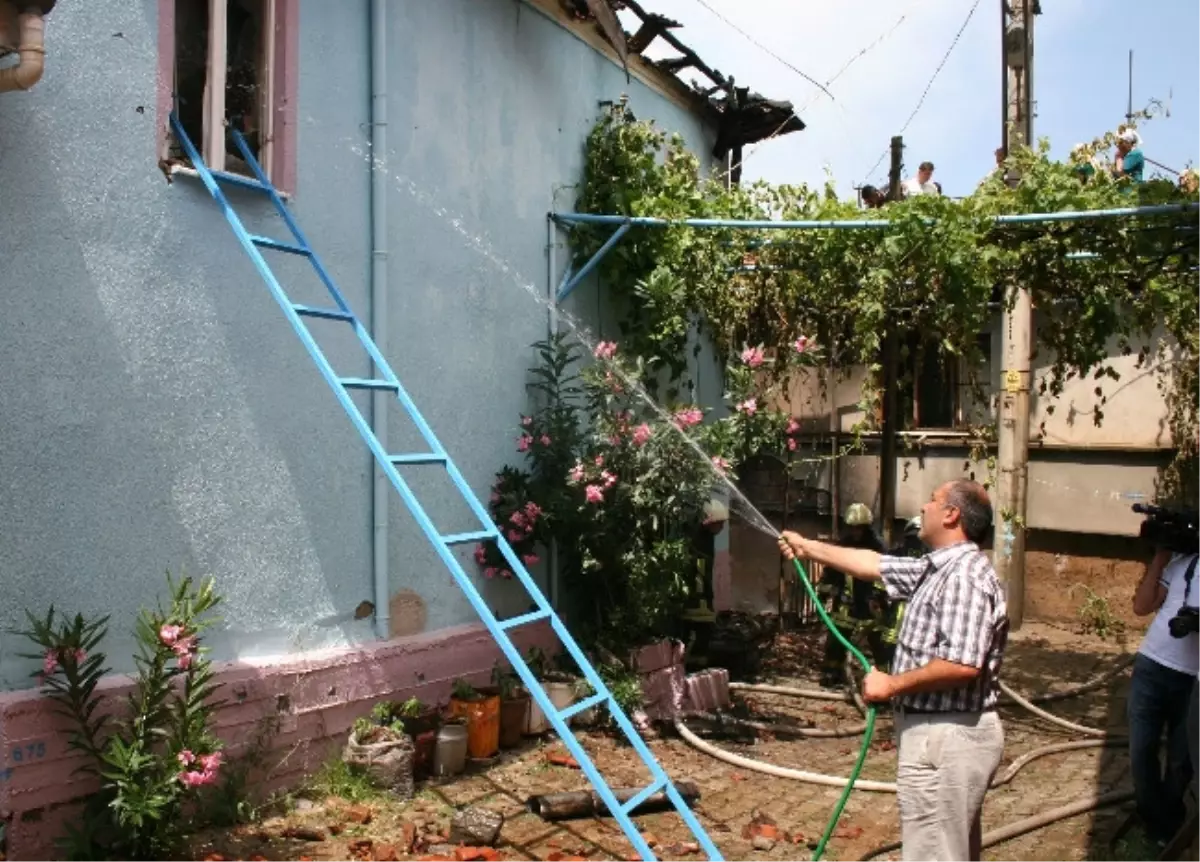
308, 702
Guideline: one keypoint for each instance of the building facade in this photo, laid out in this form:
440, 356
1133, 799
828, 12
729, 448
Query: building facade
160, 414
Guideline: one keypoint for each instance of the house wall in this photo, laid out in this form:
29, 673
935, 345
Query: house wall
159, 413
1083, 478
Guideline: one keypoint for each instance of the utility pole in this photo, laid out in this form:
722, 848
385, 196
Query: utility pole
1013, 455
891, 359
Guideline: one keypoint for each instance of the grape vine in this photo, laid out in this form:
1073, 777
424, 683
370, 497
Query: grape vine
940, 268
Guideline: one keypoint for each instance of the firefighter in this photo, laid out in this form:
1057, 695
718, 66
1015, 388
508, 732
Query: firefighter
855, 605
890, 614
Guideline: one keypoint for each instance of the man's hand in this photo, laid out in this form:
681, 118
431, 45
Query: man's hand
877, 686
792, 545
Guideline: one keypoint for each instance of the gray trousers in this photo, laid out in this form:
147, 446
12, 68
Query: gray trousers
946, 762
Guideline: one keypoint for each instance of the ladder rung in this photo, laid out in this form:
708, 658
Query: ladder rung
327, 313
531, 617
239, 180
419, 458
279, 245
643, 794
582, 706
364, 383
467, 538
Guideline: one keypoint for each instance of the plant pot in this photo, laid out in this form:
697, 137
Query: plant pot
513, 716
450, 751
426, 720
424, 753
423, 728
561, 694
483, 724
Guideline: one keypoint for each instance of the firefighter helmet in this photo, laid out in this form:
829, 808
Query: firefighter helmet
858, 515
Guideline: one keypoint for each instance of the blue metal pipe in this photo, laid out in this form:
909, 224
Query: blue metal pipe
859, 224
583, 273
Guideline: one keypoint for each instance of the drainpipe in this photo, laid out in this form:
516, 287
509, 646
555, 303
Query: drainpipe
379, 315
32, 50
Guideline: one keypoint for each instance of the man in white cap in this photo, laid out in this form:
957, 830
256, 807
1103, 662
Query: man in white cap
1129, 161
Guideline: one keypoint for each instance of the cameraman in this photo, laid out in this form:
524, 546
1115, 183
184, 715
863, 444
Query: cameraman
1164, 673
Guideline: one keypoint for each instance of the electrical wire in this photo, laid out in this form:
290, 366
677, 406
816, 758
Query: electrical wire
768, 51
803, 108
934, 77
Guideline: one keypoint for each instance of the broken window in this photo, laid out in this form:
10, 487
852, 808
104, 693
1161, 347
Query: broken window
224, 62
935, 390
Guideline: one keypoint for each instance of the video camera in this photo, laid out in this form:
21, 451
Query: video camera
1177, 530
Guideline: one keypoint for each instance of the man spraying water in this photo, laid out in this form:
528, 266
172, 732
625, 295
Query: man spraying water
944, 683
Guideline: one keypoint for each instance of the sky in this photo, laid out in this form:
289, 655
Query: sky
1081, 62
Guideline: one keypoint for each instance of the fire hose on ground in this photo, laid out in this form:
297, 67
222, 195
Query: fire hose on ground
867, 728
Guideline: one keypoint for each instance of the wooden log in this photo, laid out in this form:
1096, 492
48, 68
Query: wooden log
585, 803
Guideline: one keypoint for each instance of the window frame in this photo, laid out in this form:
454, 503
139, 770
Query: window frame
279, 76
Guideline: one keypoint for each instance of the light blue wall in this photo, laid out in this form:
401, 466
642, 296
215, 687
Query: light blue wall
157, 412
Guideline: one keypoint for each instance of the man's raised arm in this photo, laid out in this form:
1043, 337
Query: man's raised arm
860, 563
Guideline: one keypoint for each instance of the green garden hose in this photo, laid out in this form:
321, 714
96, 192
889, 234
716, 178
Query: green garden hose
867, 733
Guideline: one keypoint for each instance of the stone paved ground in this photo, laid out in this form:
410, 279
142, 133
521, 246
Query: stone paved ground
1040, 658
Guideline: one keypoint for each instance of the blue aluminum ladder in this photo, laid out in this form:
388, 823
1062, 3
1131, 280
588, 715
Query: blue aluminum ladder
435, 454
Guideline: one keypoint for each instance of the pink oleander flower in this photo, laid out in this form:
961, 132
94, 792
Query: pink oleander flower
720, 463
532, 510
609, 478
211, 762
490, 572
80, 657
595, 494
753, 356
641, 434
518, 518
599, 461
169, 634
526, 421
480, 554
576, 474
183, 649
545, 440
749, 406
193, 778
531, 559
514, 536
689, 417
605, 350
793, 426
185, 757
523, 443
801, 344
613, 383
505, 574
791, 444
49, 663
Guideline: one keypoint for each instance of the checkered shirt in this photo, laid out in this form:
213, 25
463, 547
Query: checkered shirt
956, 612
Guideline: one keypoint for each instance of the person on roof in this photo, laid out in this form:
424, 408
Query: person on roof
873, 198
855, 606
1129, 161
1083, 162
922, 183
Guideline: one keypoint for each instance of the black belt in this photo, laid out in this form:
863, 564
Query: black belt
914, 711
